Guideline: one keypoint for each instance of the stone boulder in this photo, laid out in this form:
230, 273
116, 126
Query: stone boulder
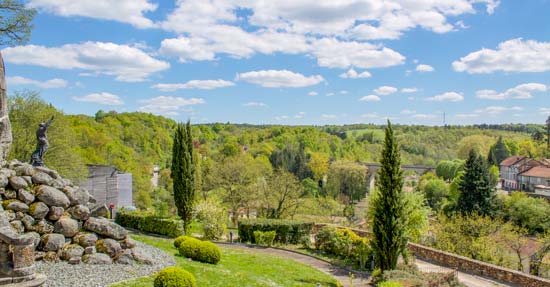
51, 257
108, 246
38, 210
124, 257
18, 226
35, 237
43, 227
55, 213
85, 239
66, 226
97, 258
25, 196
3, 181
24, 170
80, 212
99, 210
141, 256
103, 226
28, 222
77, 195
52, 242
15, 205
17, 182
71, 250
127, 243
42, 178
52, 196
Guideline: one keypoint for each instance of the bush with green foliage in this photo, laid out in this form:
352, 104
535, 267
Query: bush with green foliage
527, 212
174, 277
213, 219
202, 251
343, 243
287, 231
264, 238
390, 283
150, 223
179, 240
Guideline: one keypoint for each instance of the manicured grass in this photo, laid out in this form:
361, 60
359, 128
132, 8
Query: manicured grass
238, 268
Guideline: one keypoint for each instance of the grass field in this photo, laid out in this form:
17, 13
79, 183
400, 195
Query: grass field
238, 268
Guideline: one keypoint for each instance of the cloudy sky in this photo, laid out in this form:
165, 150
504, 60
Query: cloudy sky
291, 61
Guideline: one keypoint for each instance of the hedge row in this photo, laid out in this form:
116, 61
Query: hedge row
202, 251
174, 277
287, 231
147, 222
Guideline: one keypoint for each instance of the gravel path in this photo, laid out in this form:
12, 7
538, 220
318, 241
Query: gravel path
84, 275
338, 273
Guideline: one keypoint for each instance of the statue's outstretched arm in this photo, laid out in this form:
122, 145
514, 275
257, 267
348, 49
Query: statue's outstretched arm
49, 122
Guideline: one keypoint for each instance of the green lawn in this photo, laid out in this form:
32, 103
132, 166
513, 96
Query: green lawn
239, 268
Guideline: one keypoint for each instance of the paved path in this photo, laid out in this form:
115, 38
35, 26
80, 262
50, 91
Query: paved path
338, 273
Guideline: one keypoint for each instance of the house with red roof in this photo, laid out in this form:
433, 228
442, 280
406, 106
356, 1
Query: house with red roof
524, 174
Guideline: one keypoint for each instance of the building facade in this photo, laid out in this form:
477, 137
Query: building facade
110, 186
524, 174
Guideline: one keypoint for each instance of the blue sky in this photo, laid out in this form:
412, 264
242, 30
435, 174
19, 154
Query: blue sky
291, 61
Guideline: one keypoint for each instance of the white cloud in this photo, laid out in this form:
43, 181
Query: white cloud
447, 97
101, 98
254, 104
312, 94
126, 63
523, 91
329, 116
424, 68
544, 111
126, 11
300, 115
370, 98
495, 110
334, 53
409, 90
343, 92
514, 55
408, 112
194, 84
424, 116
280, 118
49, 84
330, 94
370, 115
352, 74
279, 79
385, 90
169, 106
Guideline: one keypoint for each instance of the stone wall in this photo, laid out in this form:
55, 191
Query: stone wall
465, 264
476, 267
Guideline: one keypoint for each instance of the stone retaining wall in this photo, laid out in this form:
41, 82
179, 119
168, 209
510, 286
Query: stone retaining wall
465, 264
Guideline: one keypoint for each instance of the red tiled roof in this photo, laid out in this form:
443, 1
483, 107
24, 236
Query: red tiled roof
538, 171
511, 160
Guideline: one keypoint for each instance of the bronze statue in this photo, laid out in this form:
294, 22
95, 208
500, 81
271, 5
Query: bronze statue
42, 146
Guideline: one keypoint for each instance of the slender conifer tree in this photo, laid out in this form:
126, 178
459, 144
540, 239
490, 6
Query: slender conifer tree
183, 173
388, 220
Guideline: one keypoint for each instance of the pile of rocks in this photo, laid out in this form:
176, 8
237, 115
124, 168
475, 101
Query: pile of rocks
64, 220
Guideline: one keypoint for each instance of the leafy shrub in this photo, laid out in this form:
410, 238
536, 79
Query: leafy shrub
389, 284
343, 243
174, 277
148, 222
286, 231
179, 240
264, 238
212, 217
202, 251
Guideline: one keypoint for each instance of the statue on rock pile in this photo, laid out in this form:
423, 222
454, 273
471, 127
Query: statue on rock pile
37, 158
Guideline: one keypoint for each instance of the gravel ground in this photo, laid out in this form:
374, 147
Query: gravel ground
84, 275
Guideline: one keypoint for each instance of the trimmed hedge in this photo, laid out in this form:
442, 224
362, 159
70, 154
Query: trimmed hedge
179, 240
202, 251
287, 231
146, 222
264, 238
343, 243
174, 277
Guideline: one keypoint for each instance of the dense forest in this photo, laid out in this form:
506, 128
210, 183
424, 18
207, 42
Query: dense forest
135, 142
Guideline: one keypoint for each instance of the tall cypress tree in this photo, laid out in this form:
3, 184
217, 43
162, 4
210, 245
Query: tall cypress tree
183, 173
388, 218
476, 192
